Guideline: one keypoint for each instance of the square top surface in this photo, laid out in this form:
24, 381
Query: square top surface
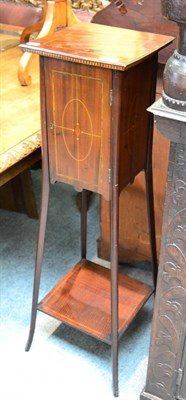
99, 45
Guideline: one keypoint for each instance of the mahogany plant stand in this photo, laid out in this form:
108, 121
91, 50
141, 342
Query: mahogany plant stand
96, 136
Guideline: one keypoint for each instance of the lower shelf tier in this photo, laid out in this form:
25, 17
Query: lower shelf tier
82, 299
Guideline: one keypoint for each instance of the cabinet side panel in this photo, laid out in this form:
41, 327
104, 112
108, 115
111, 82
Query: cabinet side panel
134, 121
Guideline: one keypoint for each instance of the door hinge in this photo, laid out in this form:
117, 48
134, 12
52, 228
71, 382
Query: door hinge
111, 97
109, 175
179, 377
179, 382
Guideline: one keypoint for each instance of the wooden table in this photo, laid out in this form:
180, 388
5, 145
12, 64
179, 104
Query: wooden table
20, 138
96, 83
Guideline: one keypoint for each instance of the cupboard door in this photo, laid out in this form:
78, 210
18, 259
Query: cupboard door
78, 99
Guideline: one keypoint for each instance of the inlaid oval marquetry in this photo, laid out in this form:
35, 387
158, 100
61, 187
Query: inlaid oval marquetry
77, 129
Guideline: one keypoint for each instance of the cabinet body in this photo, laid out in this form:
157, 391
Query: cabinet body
79, 100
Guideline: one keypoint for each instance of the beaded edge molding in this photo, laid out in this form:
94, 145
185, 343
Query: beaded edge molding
75, 59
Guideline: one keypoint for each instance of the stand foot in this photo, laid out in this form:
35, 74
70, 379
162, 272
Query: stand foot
151, 222
39, 257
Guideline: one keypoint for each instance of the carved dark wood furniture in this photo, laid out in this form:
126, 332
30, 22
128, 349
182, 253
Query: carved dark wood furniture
96, 83
140, 15
166, 375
